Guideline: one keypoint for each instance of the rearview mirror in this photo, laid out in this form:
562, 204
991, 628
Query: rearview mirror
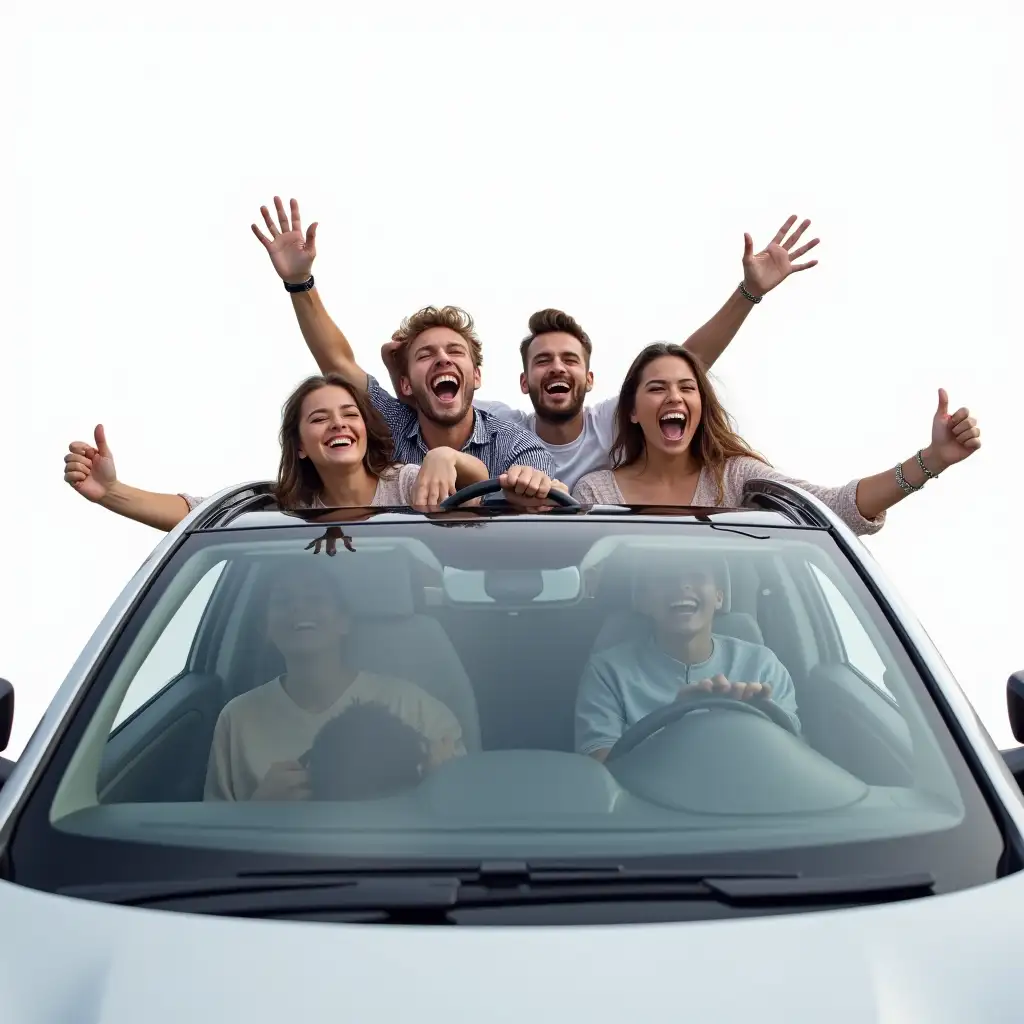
6, 713
1015, 704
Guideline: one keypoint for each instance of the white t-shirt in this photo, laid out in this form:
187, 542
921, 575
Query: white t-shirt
589, 452
265, 725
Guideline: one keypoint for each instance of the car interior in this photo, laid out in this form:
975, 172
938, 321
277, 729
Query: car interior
516, 689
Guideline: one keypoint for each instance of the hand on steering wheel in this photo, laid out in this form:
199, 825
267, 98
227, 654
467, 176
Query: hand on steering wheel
716, 694
556, 495
721, 687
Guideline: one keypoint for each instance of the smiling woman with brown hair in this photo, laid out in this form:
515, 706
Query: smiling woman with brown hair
676, 446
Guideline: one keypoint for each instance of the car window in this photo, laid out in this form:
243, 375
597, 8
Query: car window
362, 711
859, 649
169, 654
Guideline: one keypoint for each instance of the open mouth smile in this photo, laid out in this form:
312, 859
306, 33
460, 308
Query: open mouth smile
558, 388
445, 387
673, 425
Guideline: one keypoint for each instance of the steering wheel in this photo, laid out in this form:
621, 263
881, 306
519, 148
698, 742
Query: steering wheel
493, 485
674, 712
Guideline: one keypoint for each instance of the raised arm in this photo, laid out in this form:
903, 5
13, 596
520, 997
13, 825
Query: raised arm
292, 254
89, 469
762, 272
862, 503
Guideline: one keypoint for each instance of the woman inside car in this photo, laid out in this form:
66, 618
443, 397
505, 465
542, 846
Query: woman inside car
265, 741
675, 445
336, 451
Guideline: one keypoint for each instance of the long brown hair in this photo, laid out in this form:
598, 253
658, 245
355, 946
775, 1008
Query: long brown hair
715, 440
298, 482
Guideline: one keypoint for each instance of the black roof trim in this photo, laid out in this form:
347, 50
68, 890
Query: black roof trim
778, 496
244, 498
255, 503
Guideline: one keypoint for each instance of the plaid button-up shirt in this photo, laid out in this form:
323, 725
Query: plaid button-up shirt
497, 443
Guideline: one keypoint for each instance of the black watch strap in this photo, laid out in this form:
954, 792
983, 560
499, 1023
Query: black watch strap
303, 287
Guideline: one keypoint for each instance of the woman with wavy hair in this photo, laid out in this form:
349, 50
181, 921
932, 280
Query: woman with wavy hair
336, 451
676, 445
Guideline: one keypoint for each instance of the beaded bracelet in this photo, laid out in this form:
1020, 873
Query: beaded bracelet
905, 485
924, 469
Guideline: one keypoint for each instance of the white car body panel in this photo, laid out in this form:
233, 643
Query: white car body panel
953, 957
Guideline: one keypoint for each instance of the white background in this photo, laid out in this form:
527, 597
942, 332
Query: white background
603, 159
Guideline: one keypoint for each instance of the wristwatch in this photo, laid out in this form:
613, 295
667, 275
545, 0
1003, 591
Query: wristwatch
303, 287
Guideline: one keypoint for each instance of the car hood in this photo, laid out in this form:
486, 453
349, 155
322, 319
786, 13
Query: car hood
945, 958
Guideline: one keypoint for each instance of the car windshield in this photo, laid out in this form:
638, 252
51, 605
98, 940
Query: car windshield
720, 692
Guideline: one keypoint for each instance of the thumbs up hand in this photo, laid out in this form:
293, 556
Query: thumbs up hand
954, 437
89, 469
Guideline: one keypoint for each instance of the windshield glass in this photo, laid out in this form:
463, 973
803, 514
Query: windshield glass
559, 689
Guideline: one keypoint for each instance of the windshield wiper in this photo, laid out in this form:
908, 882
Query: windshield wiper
495, 884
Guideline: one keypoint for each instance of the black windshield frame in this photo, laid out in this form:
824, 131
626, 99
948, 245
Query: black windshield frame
983, 847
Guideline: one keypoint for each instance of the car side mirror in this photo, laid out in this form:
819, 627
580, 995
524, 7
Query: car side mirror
1015, 704
6, 725
6, 713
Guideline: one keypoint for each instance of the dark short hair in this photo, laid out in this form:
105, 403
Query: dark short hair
714, 564
551, 321
365, 753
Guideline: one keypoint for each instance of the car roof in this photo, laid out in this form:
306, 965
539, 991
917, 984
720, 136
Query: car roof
766, 504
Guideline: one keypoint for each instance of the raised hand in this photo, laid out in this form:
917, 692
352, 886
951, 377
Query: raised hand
389, 356
291, 251
953, 437
768, 268
89, 469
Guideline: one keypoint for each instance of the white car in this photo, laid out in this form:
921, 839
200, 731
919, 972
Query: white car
854, 854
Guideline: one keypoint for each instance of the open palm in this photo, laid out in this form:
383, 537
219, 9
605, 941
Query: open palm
768, 268
291, 251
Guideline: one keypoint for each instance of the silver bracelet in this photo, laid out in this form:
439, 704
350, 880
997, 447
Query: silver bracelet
929, 475
753, 298
905, 485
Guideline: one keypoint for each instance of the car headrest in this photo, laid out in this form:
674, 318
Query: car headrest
376, 584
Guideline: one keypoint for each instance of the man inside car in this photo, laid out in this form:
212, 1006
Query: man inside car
556, 357
682, 658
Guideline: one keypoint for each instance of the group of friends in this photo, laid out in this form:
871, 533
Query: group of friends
665, 439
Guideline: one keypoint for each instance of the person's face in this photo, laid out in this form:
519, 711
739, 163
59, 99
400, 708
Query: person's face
304, 614
681, 598
332, 431
556, 376
440, 375
667, 406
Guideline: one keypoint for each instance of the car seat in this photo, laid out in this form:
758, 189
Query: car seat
388, 635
